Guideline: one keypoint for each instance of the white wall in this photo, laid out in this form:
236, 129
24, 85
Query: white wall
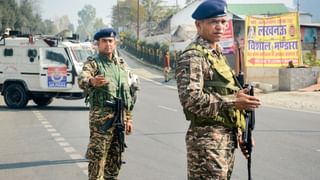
183, 17
288, 3
305, 18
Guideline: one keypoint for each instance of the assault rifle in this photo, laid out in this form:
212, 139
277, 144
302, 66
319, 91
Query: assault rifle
117, 106
249, 114
119, 123
247, 135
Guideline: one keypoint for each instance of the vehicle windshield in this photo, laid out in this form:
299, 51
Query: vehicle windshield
81, 55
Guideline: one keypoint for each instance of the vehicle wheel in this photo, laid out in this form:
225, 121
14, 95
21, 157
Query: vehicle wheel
15, 96
42, 101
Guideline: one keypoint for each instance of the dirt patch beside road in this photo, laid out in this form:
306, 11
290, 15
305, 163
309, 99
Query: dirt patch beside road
300, 101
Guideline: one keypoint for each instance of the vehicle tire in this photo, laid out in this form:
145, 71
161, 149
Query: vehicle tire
42, 101
15, 96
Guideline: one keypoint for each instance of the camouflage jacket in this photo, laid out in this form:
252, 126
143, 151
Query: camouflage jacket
114, 72
191, 72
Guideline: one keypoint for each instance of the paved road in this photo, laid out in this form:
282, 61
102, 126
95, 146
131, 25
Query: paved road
293, 100
50, 143
43, 144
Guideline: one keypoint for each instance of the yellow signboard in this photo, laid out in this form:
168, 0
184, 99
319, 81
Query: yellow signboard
272, 41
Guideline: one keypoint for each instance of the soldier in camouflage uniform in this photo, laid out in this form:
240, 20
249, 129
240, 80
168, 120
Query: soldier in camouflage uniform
101, 78
211, 99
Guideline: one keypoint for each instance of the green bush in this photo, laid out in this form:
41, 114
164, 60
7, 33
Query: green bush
310, 60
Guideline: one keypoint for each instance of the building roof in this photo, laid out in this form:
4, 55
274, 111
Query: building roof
258, 9
310, 24
184, 32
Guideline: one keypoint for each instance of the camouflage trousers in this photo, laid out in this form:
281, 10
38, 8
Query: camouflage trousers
103, 150
210, 152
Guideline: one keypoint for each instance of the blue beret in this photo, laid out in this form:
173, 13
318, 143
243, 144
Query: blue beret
108, 32
210, 9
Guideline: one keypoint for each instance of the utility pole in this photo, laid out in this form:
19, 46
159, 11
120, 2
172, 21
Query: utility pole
300, 49
138, 23
177, 6
118, 7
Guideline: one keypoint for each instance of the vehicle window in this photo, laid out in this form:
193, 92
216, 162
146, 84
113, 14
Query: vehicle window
8, 52
55, 56
32, 53
82, 54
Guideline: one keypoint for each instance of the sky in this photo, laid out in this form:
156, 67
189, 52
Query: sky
51, 9
310, 6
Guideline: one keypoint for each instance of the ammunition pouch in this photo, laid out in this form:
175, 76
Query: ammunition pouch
222, 82
229, 118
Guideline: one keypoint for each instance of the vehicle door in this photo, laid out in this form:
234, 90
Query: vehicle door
55, 69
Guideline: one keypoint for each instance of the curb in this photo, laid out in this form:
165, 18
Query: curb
160, 69
140, 60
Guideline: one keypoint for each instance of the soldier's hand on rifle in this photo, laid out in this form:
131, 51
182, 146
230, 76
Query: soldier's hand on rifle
243, 147
245, 101
128, 126
97, 81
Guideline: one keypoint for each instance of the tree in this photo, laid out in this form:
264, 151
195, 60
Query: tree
128, 15
37, 24
26, 17
49, 27
189, 1
63, 23
151, 13
86, 22
98, 24
153, 9
8, 14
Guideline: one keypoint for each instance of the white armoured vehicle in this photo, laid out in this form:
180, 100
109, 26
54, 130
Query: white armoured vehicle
39, 68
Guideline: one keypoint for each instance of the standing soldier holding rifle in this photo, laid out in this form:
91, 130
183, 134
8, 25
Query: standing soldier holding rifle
105, 80
211, 98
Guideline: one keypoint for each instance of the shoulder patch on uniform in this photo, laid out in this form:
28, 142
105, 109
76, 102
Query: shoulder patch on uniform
120, 59
90, 58
192, 53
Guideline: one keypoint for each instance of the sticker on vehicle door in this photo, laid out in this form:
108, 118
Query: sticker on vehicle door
57, 77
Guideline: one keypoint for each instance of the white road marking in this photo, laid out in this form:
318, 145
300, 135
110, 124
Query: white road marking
75, 156
167, 108
69, 149
63, 144
59, 139
37, 113
83, 165
158, 83
52, 130
48, 126
39, 116
55, 134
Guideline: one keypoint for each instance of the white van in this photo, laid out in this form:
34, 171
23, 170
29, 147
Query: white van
39, 68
